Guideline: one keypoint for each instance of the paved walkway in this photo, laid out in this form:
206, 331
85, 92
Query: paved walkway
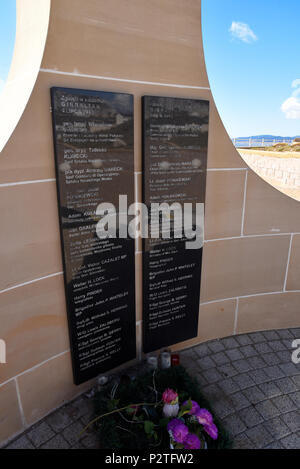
279, 171
250, 381
253, 386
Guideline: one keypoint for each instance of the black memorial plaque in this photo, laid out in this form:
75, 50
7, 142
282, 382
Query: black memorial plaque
175, 138
93, 137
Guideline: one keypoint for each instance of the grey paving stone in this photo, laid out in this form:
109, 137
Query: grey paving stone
205, 363
222, 408
220, 358
254, 395
201, 379
192, 368
239, 401
267, 409
190, 362
285, 334
72, 433
274, 372
40, 433
85, 419
257, 337
259, 376
242, 366
201, 350
212, 376
271, 335
284, 403
84, 406
248, 351
286, 385
234, 354
230, 343
295, 332
259, 436
274, 445
244, 339
227, 370
270, 389
190, 352
289, 369
244, 381
57, 442
216, 346
292, 420
291, 442
295, 396
91, 442
228, 386
296, 380
212, 392
288, 343
20, 443
59, 420
272, 359
262, 348
277, 345
285, 356
251, 417
234, 425
78, 446
257, 363
242, 442
277, 428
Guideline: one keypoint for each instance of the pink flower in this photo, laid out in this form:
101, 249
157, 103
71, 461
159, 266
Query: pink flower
170, 396
195, 407
212, 431
192, 442
204, 417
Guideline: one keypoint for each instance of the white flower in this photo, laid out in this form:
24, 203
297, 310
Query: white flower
170, 410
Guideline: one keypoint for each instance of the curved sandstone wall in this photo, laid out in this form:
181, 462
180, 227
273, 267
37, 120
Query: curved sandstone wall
251, 270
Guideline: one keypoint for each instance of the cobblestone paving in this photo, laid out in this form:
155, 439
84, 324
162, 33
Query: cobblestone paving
61, 429
253, 387
251, 383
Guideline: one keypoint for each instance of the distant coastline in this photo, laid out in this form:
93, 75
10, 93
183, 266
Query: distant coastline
264, 140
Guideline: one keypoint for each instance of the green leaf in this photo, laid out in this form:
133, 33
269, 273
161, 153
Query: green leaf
148, 427
185, 408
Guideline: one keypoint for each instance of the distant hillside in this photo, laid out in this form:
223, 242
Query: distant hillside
267, 137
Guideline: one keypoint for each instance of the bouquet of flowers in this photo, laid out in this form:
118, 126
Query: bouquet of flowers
188, 423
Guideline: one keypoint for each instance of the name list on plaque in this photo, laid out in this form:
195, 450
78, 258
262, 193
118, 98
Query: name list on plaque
93, 139
175, 138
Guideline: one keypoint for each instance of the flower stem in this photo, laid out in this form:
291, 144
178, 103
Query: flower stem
114, 412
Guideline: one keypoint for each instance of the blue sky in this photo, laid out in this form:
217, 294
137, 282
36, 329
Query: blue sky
7, 36
252, 55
